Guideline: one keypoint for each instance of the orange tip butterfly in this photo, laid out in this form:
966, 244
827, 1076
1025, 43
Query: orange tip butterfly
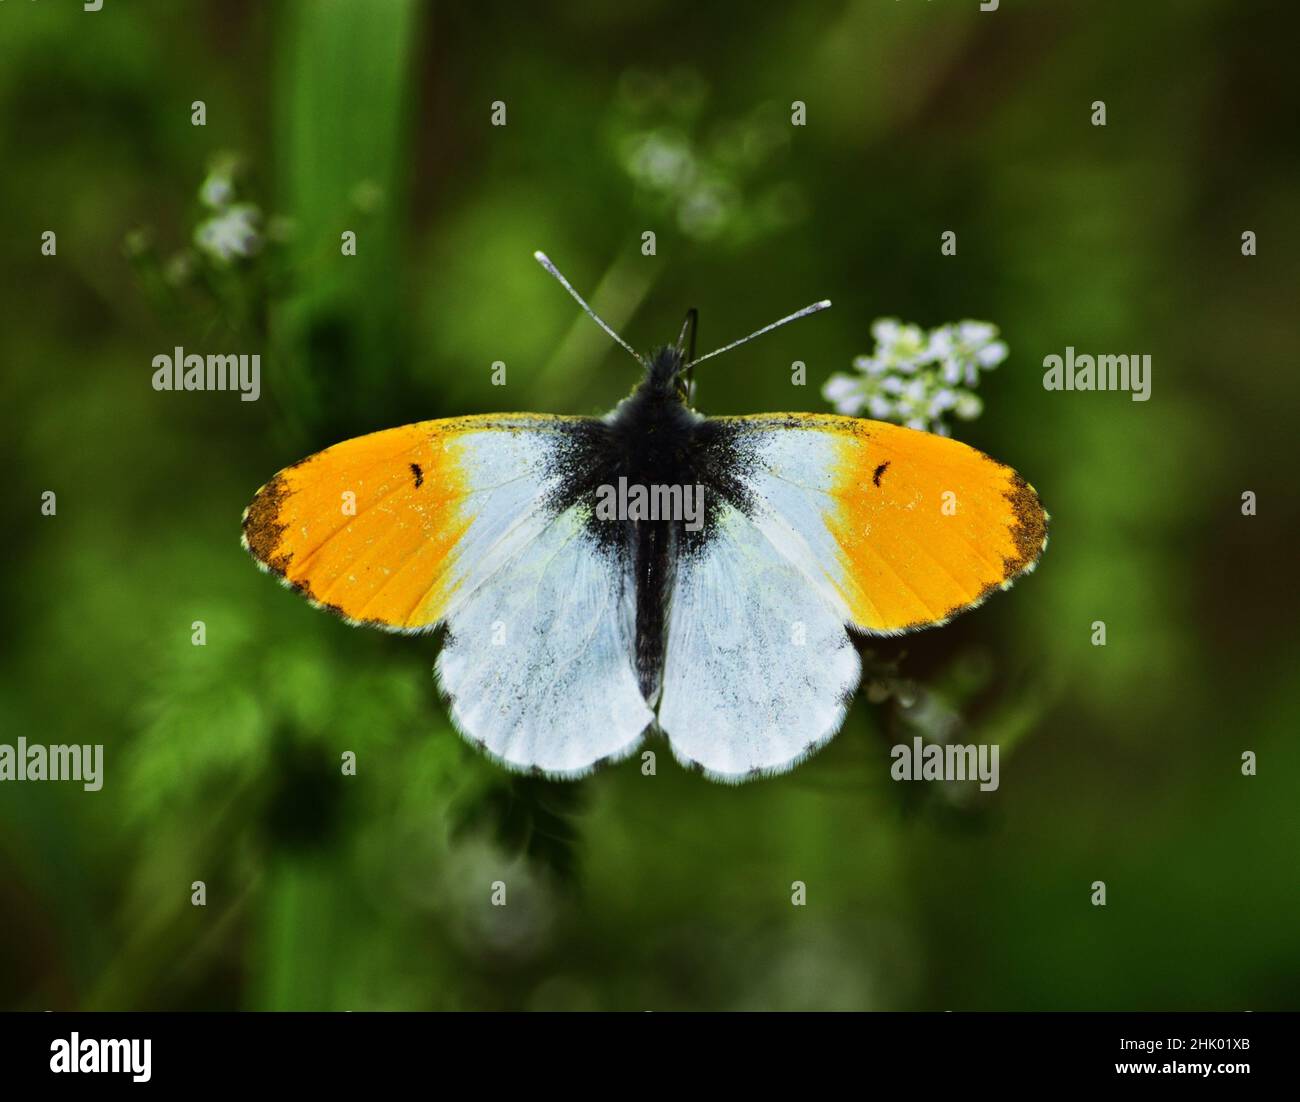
653, 568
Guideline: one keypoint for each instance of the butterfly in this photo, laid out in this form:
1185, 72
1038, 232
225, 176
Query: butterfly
653, 568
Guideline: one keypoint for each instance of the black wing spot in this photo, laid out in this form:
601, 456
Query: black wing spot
875, 477
419, 475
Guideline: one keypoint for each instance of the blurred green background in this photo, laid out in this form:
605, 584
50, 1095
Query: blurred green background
1119, 763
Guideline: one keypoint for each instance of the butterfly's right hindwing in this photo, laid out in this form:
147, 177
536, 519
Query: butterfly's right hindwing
538, 659
475, 523
825, 522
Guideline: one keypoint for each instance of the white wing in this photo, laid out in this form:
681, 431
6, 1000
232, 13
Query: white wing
758, 668
457, 522
538, 656
844, 521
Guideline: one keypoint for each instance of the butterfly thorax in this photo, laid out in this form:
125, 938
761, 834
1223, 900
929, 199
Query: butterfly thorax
658, 450
654, 439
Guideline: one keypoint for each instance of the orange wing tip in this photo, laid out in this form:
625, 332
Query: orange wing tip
261, 528
1029, 537
260, 532
306, 594
1028, 533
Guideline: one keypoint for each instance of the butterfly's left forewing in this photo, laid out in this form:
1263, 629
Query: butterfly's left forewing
905, 528
834, 521
466, 522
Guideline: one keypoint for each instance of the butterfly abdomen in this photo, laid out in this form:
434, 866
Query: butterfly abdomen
653, 551
659, 449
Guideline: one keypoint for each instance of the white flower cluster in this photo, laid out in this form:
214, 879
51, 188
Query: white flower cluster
233, 231
916, 378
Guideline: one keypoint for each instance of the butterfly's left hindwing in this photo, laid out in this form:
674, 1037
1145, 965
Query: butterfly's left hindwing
466, 522
835, 521
758, 669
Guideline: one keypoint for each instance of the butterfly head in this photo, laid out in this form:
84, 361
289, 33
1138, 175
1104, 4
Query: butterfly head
666, 374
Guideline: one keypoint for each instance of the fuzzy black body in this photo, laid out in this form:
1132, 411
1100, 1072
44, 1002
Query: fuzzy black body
653, 438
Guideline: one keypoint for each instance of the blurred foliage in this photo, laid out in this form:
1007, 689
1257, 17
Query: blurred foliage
327, 891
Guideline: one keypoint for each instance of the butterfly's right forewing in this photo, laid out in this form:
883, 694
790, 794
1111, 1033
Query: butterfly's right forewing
825, 522
480, 524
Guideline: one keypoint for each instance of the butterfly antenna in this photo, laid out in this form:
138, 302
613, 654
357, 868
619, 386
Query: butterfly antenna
814, 308
545, 262
686, 349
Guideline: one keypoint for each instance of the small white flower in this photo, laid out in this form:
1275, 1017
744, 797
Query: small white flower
942, 340
992, 354
963, 350
230, 234
915, 378
663, 160
845, 393
217, 190
871, 365
905, 347
885, 330
942, 400
880, 407
976, 333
